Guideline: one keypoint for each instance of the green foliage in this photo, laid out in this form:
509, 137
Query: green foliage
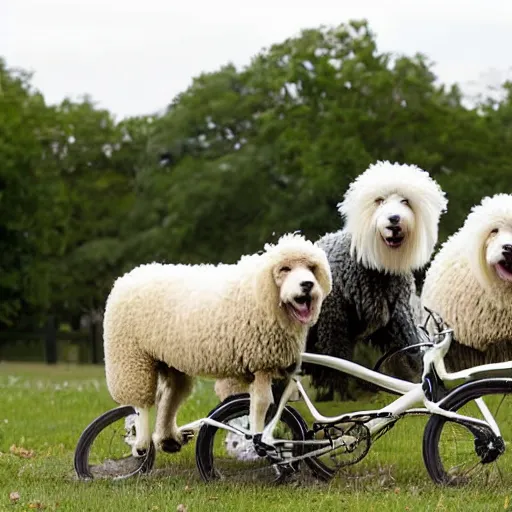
240, 157
96, 161
27, 185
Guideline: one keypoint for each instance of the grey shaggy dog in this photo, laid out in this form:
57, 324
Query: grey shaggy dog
364, 305
391, 216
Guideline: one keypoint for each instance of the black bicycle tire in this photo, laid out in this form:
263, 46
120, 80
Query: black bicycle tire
226, 411
81, 456
456, 399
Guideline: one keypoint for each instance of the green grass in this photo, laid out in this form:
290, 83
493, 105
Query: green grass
45, 409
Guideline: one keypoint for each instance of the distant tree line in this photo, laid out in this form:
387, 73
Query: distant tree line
237, 159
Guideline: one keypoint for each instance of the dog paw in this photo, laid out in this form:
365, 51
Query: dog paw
170, 443
139, 449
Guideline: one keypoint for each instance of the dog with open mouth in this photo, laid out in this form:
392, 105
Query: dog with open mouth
391, 213
499, 252
300, 292
394, 219
246, 322
470, 285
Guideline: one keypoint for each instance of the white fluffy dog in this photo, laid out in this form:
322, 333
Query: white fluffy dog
247, 321
392, 214
470, 283
402, 203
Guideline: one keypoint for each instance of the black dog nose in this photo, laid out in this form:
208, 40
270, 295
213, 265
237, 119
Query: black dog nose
306, 286
507, 248
394, 219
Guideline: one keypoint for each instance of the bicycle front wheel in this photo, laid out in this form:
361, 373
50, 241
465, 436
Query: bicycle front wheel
458, 453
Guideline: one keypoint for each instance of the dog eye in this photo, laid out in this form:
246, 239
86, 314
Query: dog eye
405, 201
284, 269
312, 268
494, 231
379, 200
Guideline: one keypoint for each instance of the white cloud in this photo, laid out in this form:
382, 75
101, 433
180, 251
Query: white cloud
133, 57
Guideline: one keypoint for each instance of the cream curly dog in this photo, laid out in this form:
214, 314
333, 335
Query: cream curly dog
470, 285
165, 324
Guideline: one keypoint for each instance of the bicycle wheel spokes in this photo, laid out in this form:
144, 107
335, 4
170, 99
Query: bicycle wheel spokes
236, 457
111, 454
471, 458
104, 449
223, 455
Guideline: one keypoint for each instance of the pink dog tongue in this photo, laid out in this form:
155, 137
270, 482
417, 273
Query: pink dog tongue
503, 273
302, 310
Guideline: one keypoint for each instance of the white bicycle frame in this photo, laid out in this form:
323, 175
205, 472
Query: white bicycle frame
412, 394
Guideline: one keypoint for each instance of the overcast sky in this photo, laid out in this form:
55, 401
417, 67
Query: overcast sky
133, 57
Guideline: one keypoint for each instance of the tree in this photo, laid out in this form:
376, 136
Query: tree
240, 157
29, 196
273, 147
98, 162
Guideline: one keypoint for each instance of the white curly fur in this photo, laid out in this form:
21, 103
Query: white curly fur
245, 321
465, 283
387, 189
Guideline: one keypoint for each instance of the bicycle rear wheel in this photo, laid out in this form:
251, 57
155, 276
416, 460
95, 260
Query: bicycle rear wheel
111, 435
458, 453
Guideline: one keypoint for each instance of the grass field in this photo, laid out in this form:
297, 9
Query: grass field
43, 410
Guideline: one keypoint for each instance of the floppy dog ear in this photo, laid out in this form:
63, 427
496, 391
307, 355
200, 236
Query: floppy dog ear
478, 259
266, 289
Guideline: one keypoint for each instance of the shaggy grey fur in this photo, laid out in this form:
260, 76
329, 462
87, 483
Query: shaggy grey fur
364, 304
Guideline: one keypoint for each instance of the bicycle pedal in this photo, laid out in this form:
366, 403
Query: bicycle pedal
187, 435
261, 448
